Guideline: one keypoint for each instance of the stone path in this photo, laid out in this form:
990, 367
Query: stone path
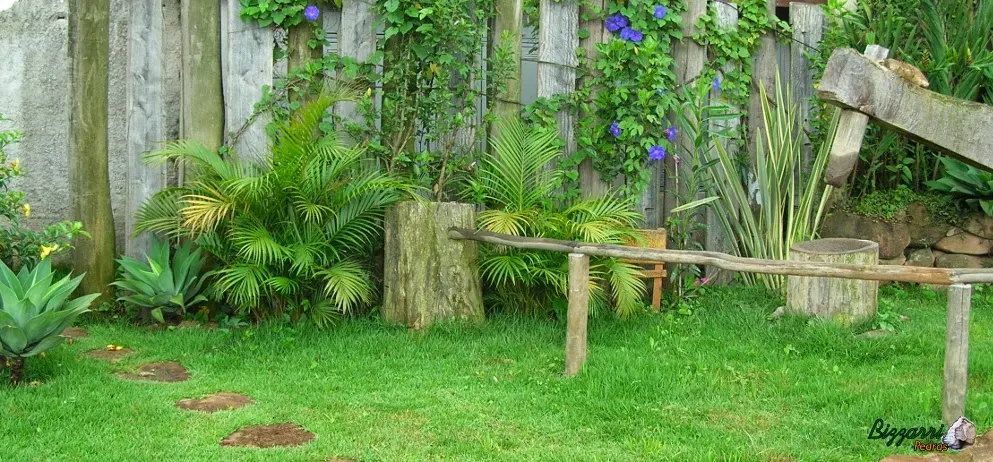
222, 401
110, 355
169, 371
269, 436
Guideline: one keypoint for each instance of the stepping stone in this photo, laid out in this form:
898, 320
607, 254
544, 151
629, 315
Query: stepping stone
170, 371
110, 355
269, 436
73, 333
216, 402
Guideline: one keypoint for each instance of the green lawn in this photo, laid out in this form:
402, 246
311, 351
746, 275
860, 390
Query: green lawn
723, 384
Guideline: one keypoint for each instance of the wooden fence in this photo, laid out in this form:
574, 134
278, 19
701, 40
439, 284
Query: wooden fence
959, 293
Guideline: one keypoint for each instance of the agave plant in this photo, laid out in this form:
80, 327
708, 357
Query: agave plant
967, 183
289, 228
517, 187
161, 284
34, 312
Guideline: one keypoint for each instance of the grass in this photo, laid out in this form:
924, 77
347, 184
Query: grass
723, 384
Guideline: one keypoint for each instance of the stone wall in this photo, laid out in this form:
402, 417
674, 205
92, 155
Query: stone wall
914, 238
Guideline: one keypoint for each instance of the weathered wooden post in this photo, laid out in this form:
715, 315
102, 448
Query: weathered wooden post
844, 300
579, 306
956, 352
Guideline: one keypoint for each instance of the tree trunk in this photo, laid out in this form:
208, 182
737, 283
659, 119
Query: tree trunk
89, 43
203, 100
430, 277
16, 371
844, 300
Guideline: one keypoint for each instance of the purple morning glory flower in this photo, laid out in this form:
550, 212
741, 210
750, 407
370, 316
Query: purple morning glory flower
630, 34
670, 134
616, 22
656, 152
615, 129
716, 84
311, 13
660, 12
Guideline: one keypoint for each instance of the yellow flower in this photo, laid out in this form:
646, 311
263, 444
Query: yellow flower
368, 92
636, 51
47, 249
15, 163
27, 210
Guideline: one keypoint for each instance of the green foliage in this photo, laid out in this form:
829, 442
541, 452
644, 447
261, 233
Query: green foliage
517, 188
35, 310
163, 285
890, 204
967, 183
289, 232
20, 246
281, 13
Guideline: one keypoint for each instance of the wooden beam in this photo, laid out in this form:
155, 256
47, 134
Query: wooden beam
851, 127
508, 19
247, 64
557, 62
203, 100
952, 126
357, 40
579, 305
808, 28
940, 276
590, 183
956, 353
763, 75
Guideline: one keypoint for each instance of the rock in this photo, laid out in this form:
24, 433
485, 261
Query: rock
898, 261
170, 371
956, 260
892, 238
923, 229
73, 333
778, 313
269, 436
217, 402
112, 356
965, 243
980, 225
923, 258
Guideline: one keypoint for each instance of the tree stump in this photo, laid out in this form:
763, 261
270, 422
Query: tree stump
429, 277
844, 300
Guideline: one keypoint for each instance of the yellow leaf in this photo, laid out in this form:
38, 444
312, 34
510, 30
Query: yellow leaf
368, 92
27, 210
636, 51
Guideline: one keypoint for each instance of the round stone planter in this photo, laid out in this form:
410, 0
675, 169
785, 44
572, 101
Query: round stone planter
843, 300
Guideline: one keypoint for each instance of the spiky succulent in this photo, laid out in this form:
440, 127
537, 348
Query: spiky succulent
162, 284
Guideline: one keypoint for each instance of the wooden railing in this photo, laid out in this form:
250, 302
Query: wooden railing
959, 293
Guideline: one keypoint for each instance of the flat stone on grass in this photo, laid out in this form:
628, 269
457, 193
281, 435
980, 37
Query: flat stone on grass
73, 333
222, 401
110, 355
170, 371
269, 436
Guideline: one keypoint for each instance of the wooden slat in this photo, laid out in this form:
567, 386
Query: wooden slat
956, 353
357, 39
579, 305
247, 63
808, 30
557, 62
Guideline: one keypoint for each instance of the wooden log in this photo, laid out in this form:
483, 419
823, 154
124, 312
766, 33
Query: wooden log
247, 63
956, 353
146, 127
851, 127
203, 100
847, 301
717, 241
939, 276
508, 19
89, 176
429, 278
579, 305
952, 126
808, 28
557, 62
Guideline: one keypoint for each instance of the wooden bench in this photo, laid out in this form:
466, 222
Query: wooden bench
654, 239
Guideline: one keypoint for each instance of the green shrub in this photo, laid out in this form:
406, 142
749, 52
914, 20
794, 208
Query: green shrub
35, 311
163, 285
889, 205
19, 246
290, 231
517, 188
964, 182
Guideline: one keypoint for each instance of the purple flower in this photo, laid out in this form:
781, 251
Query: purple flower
615, 129
656, 152
616, 22
676, 160
670, 134
702, 281
716, 85
312, 13
630, 34
660, 12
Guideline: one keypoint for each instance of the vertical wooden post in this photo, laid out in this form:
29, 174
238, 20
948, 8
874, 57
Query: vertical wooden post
579, 306
717, 241
508, 19
956, 352
89, 176
848, 139
247, 64
590, 183
763, 74
357, 40
808, 30
146, 127
203, 101
557, 43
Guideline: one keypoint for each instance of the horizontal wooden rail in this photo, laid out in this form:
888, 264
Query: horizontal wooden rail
939, 276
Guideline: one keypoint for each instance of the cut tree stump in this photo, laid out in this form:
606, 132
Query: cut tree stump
844, 300
429, 277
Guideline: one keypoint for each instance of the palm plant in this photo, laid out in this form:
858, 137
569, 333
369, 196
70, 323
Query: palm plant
517, 187
34, 312
289, 232
161, 284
